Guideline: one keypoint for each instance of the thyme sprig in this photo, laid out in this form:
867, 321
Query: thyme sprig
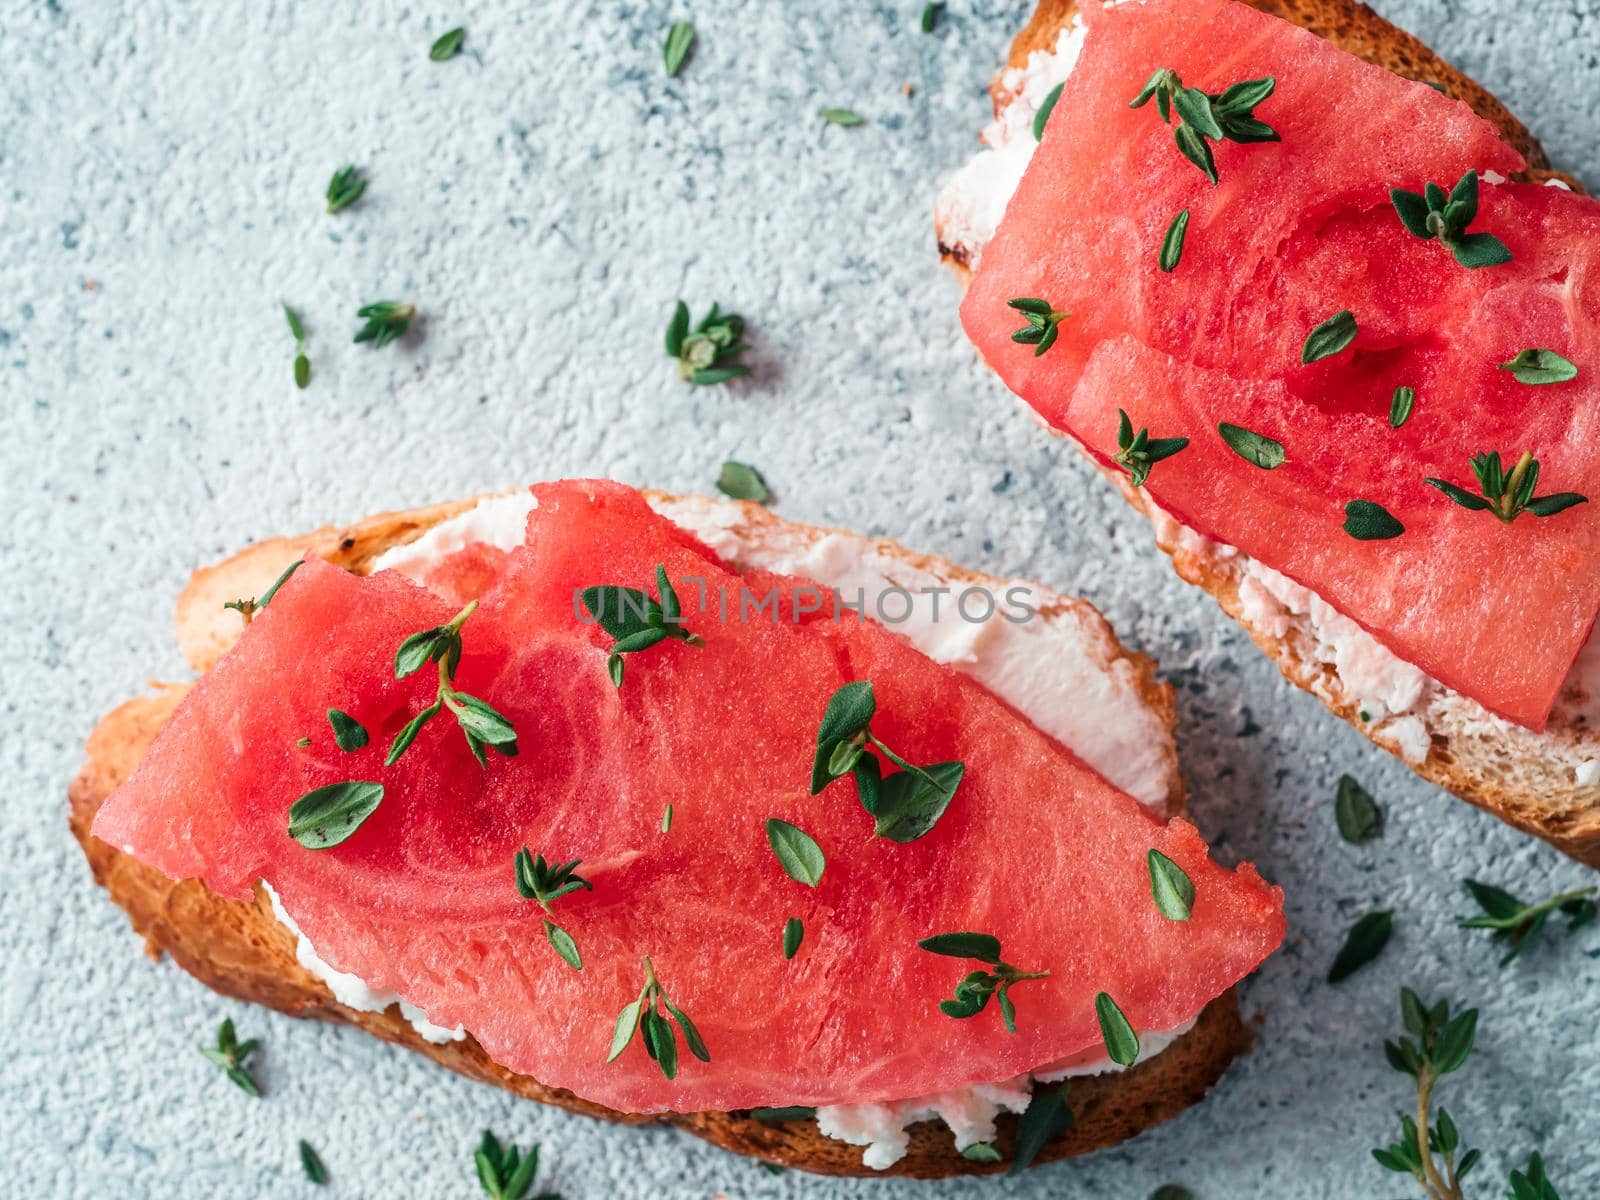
904, 805
1438, 1046
706, 353
636, 619
655, 1030
1228, 115
1437, 216
386, 321
1507, 494
1138, 452
248, 608
975, 989
1517, 922
233, 1056
540, 881
505, 1173
1043, 323
480, 724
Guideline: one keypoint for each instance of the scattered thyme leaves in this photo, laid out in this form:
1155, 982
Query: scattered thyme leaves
930, 16
1517, 923
655, 1032
636, 620
348, 733
742, 482
794, 932
1138, 452
386, 321
797, 851
233, 1056
904, 805
1170, 887
1046, 1118
846, 117
1400, 406
1356, 813
311, 1163
1365, 941
1204, 118
506, 1174
1536, 367
1043, 323
1532, 1183
1172, 243
563, 944
328, 815
1329, 337
448, 45
302, 364
1507, 494
1369, 521
1042, 117
248, 608
1256, 448
666, 818
1122, 1043
344, 188
480, 724
974, 990
706, 354
1436, 216
675, 51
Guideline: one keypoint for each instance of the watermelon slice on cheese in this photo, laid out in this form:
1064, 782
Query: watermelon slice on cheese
1036, 848
1294, 232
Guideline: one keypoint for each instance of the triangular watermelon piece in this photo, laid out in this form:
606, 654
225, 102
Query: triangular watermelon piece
1295, 232
1036, 848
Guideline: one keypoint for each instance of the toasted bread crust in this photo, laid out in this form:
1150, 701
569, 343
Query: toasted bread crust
1485, 765
239, 949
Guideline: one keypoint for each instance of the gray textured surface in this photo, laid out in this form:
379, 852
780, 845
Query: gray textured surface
543, 199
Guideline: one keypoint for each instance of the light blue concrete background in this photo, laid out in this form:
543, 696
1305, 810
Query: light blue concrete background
543, 199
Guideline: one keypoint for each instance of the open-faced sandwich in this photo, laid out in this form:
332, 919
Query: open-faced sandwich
1312, 299
851, 838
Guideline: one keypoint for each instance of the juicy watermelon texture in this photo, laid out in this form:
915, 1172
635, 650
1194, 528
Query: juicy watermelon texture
1295, 232
1036, 848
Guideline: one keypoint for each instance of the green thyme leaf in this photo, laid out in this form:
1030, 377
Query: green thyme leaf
793, 1112
348, 733
691, 1035
407, 735
848, 713
1473, 250
295, 327
680, 39
910, 802
627, 1022
302, 372
311, 1163
1255, 448
1400, 406
1046, 1118
1194, 108
386, 321
798, 853
1170, 887
327, 815
1330, 337
742, 482
706, 354
930, 16
1172, 243
794, 930
1196, 149
1122, 1044
1369, 521
840, 116
1171, 1191
1541, 367
1355, 812
1048, 106
562, 941
1364, 942
448, 45
344, 189
981, 1152
981, 946
666, 818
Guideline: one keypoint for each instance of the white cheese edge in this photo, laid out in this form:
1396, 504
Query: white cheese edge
1060, 672
1397, 696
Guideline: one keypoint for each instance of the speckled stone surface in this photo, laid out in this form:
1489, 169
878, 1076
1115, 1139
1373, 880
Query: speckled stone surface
543, 199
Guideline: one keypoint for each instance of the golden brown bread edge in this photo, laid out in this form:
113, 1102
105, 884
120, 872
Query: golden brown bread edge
239, 949
1534, 793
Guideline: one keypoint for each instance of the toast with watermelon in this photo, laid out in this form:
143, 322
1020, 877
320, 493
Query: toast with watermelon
1345, 384
420, 922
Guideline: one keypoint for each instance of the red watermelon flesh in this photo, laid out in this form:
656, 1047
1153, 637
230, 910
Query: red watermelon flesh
1036, 848
1298, 231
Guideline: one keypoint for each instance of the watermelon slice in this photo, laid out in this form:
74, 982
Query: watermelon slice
1036, 848
1296, 231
